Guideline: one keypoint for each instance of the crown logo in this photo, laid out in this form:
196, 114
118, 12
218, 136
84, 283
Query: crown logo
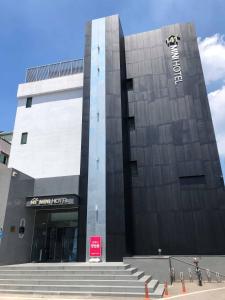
172, 40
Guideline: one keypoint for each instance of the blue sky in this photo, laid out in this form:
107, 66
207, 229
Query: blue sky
37, 32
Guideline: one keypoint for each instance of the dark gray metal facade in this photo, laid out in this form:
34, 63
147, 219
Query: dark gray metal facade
14, 249
178, 193
63, 185
115, 151
84, 147
164, 186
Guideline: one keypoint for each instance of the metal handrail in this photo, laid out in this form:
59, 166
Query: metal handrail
60, 69
193, 265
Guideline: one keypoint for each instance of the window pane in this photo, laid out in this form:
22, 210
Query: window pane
134, 168
24, 138
198, 179
131, 123
4, 158
130, 84
29, 102
1, 158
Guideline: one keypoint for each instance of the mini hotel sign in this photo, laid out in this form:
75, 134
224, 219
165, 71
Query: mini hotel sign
51, 201
172, 43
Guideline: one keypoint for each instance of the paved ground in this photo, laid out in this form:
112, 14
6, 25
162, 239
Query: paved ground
209, 291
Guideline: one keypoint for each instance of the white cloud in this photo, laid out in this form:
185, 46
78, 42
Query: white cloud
217, 105
212, 52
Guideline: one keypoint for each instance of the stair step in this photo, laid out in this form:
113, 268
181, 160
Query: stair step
75, 288
134, 276
158, 293
145, 278
152, 285
84, 283
62, 293
106, 279
68, 272
69, 267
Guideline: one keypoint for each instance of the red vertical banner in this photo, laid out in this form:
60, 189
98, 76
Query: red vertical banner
95, 246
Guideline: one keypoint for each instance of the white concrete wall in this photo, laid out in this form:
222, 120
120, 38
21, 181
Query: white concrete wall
53, 124
50, 85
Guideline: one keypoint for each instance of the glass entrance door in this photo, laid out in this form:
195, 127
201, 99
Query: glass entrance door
55, 236
60, 244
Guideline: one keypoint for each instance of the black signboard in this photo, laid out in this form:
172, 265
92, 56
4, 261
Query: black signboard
64, 200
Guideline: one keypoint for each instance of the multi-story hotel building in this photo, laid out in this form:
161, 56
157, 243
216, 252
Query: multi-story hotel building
119, 144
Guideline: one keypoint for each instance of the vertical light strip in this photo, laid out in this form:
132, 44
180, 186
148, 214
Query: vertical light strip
96, 199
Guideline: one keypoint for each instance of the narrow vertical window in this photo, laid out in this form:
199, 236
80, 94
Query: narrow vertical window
24, 138
29, 102
131, 123
133, 168
4, 158
130, 84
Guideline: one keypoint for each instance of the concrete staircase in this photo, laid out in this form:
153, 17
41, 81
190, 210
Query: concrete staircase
105, 279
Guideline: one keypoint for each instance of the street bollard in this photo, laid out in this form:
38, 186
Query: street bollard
190, 274
183, 286
146, 292
218, 279
181, 276
208, 274
173, 278
166, 292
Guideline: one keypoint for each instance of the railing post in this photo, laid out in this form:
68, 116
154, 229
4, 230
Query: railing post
198, 271
60, 64
170, 270
37, 74
208, 274
26, 75
190, 275
218, 279
71, 67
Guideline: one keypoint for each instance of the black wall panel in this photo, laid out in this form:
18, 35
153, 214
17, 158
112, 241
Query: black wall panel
84, 148
117, 144
175, 198
173, 138
116, 141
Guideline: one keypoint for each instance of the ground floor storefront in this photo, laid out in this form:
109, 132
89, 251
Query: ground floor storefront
39, 218
55, 235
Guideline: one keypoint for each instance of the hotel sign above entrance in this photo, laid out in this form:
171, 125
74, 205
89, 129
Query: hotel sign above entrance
52, 201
